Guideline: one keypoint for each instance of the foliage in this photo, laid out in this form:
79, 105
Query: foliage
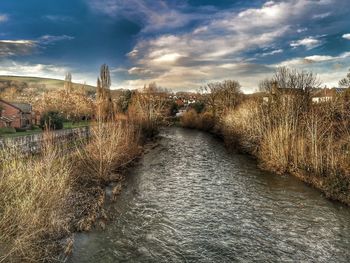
7, 130
52, 120
123, 101
198, 106
73, 106
173, 109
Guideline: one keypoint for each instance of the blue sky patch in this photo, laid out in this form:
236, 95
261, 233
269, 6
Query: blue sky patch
179, 44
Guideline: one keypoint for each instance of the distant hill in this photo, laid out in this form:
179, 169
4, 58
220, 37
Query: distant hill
38, 84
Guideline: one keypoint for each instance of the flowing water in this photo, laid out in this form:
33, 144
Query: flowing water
189, 200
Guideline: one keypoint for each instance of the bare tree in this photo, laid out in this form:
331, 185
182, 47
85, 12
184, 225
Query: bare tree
293, 79
68, 85
345, 82
220, 96
266, 85
292, 85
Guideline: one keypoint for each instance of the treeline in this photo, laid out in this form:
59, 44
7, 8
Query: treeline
47, 197
284, 128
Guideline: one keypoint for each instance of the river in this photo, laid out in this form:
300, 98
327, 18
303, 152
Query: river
190, 200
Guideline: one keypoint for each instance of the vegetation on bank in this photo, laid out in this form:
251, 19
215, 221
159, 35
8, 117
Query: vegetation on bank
284, 129
47, 197
9, 132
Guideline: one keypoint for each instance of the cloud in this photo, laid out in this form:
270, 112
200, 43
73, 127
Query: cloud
182, 47
191, 57
3, 18
191, 78
139, 71
306, 61
346, 36
58, 18
321, 16
273, 52
25, 47
16, 47
301, 30
49, 39
11, 67
319, 58
151, 14
308, 43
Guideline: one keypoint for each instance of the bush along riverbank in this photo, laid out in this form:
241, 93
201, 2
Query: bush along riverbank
286, 132
46, 198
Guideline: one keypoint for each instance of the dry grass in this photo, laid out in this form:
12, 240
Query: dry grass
193, 120
112, 145
312, 143
146, 111
33, 191
44, 198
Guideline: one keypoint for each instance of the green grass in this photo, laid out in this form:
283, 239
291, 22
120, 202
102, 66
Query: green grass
71, 125
66, 125
18, 134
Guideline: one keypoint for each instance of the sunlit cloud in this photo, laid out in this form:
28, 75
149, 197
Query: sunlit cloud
183, 44
273, 52
308, 43
193, 57
16, 47
10, 67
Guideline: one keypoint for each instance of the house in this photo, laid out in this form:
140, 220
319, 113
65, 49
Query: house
286, 94
15, 115
325, 94
322, 95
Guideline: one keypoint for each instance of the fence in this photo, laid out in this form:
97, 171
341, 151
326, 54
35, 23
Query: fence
33, 143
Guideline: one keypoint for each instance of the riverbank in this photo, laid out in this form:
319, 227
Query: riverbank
46, 198
312, 145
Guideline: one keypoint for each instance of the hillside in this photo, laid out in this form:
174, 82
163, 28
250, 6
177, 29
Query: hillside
36, 85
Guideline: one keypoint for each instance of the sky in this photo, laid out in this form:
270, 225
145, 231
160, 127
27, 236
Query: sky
179, 44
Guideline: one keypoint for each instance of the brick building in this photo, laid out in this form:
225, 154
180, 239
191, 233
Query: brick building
15, 115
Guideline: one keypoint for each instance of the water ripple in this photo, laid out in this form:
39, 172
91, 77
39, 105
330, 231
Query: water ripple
192, 201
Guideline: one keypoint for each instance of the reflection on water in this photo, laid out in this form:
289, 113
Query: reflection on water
190, 200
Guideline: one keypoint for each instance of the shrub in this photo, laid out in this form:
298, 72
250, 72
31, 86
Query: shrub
189, 119
207, 121
20, 130
52, 120
313, 144
7, 130
111, 146
198, 106
33, 191
146, 110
